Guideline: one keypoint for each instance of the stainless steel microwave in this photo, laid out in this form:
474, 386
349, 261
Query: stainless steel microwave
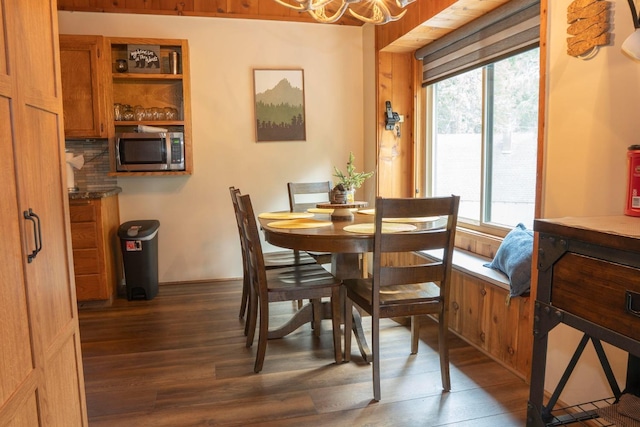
144, 152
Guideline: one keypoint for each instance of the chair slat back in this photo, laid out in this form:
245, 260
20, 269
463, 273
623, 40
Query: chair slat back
438, 235
419, 240
433, 272
235, 193
305, 195
253, 246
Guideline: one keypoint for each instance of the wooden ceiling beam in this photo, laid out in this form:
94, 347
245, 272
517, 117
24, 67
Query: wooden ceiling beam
424, 22
245, 9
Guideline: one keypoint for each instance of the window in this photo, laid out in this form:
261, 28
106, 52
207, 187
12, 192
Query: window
481, 141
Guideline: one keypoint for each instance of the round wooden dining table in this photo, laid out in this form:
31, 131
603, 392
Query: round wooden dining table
346, 249
345, 246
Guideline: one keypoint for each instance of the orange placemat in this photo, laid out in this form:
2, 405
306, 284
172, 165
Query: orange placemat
300, 223
320, 211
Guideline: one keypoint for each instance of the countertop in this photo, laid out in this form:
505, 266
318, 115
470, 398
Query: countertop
94, 193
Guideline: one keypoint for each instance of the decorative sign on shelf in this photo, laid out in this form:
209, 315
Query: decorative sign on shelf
143, 58
588, 27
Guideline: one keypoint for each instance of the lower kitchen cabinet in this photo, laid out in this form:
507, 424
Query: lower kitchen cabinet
94, 238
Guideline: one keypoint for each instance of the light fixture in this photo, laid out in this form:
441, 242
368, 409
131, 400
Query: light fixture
375, 12
631, 46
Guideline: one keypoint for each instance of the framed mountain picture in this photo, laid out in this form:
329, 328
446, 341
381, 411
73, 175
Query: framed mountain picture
279, 105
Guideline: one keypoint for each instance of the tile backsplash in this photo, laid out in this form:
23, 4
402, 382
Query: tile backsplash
95, 171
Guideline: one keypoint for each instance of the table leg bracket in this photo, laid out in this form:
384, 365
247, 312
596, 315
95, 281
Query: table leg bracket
546, 317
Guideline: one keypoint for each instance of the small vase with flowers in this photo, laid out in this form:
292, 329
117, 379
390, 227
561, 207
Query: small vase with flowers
349, 181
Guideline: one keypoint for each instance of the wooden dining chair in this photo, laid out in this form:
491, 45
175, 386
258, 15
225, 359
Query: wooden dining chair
277, 259
309, 281
401, 286
306, 195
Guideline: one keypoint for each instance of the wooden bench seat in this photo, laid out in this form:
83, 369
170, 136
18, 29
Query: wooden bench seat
482, 313
473, 265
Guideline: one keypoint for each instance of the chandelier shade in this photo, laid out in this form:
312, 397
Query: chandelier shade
375, 12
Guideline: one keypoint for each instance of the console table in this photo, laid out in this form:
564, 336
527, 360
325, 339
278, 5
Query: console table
588, 279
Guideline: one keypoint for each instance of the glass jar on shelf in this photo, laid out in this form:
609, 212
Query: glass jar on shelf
158, 113
117, 112
128, 114
170, 113
139, 112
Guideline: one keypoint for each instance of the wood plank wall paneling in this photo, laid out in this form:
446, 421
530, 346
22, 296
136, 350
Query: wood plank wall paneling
209, 6
395, 153
478, 243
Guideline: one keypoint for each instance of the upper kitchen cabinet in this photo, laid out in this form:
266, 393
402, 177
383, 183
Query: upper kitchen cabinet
151, 86
85, 91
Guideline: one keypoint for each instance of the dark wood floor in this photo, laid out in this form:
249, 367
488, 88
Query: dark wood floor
180, 360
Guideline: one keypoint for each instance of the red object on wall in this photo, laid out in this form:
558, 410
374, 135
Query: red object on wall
633, 181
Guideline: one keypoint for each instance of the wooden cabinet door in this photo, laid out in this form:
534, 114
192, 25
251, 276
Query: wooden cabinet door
84, 94
41, 380
15, 350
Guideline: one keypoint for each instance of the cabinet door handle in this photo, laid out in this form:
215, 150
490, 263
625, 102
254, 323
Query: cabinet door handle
631, 308
37, 234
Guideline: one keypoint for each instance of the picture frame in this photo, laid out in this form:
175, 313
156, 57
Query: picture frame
279, 105
143, 58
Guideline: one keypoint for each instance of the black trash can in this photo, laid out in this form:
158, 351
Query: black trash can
139, 243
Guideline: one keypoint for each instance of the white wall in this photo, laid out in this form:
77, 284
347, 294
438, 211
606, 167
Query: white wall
592, 118
198, 237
